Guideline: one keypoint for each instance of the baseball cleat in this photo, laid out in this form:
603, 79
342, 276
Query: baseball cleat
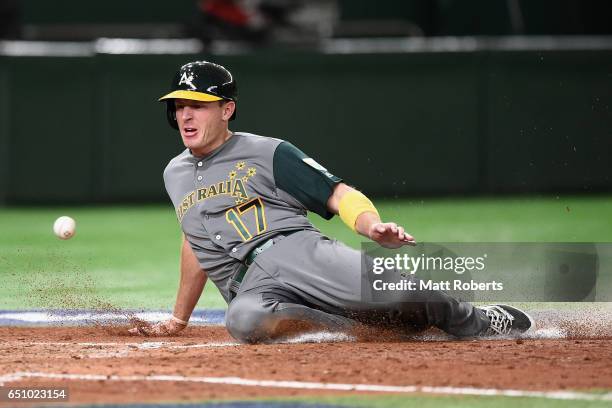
506, 320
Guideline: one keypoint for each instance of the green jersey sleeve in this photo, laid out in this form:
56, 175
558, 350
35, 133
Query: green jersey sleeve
303, 178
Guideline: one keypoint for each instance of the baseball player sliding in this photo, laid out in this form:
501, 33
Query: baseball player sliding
241, 201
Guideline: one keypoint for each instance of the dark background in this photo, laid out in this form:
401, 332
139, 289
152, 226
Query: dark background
486, 120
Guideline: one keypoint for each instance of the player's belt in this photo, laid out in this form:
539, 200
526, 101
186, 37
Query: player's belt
248, 261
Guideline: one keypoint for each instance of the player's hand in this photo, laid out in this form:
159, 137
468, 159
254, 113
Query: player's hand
167, 328
390, 235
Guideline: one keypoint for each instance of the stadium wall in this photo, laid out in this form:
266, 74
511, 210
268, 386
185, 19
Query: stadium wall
89, 129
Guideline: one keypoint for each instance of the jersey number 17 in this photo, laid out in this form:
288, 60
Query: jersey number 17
235, 215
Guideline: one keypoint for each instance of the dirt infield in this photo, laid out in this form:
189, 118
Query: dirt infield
130, 369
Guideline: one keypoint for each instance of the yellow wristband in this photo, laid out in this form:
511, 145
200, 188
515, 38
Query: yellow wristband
352, 205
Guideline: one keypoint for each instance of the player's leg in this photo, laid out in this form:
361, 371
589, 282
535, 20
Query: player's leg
264, 311
327, 274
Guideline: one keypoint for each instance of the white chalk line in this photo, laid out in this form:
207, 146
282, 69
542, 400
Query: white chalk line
140, 346
116, 349
407, 389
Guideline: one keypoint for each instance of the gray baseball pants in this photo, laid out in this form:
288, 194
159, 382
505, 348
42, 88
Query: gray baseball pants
307, 281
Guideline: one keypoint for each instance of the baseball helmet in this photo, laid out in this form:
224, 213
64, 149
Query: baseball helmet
200, 81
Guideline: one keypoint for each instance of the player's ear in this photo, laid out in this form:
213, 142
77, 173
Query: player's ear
228, 109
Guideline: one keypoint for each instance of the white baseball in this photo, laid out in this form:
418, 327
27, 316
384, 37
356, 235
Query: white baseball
64, 227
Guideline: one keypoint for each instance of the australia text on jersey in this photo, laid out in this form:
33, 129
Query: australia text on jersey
233, 185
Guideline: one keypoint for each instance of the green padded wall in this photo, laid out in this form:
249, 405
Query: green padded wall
52, 105
91, 129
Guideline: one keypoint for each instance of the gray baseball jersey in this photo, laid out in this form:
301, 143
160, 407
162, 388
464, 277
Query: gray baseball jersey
246, 191
254, 188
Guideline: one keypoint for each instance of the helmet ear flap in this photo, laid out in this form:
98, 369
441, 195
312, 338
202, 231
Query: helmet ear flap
171, 114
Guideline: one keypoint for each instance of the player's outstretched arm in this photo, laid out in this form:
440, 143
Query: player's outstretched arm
192, 282
358, 212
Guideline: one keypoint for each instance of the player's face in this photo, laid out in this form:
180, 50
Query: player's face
203, 125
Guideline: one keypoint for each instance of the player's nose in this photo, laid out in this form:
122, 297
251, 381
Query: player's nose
186, 112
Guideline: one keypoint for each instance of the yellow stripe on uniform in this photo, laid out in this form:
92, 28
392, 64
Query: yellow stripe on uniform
352, 205
191, 95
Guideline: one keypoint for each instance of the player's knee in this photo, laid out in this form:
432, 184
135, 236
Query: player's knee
248, 319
